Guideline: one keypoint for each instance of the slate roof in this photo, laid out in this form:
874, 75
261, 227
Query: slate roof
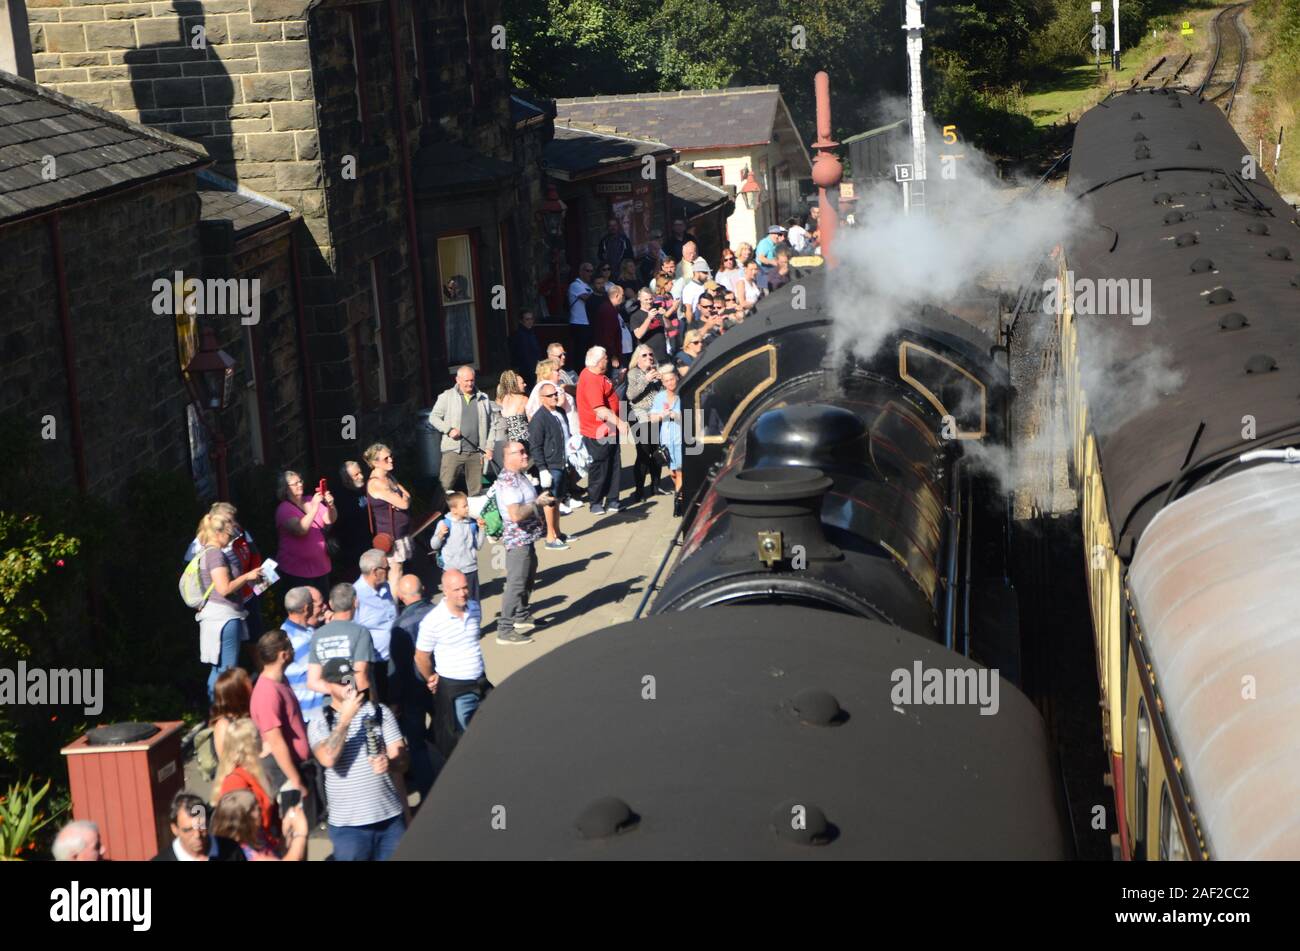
1221, 254
581, 152
710, 768
94, 150
527, 108
237, 212
692, 196
685, 119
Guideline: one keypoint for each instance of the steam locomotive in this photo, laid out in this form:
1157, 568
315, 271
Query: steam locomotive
838, 551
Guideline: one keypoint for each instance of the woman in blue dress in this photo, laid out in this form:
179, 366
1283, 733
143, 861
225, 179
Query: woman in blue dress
666, 410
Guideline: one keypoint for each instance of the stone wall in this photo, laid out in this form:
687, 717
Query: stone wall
268, 349
269, 88
130, 390
365, 202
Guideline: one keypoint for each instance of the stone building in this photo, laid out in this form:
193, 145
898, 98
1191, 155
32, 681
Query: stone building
722, 135
600, 175
386, 132
92, 210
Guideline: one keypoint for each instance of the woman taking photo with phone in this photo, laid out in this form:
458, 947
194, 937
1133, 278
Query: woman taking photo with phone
303, 558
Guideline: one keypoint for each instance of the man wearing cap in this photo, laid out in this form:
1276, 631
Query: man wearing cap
766, 250
449, 658
692, 291
360, 747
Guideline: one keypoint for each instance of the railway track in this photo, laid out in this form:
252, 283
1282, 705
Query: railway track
1166, 71
1224, 75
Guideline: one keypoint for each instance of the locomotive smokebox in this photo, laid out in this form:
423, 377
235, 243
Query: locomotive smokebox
779, 510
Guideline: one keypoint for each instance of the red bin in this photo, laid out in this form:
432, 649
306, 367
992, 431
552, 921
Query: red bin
123, 778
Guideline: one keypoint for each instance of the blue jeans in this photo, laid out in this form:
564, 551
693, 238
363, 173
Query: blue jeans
373, 843
232, 634
420, 773
466, 707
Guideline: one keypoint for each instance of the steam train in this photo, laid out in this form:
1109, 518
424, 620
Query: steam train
838, 550
1191, 504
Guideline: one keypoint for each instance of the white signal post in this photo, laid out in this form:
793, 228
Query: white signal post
1115, 30
913, 25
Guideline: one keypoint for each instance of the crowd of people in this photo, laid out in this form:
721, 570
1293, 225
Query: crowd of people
365, 672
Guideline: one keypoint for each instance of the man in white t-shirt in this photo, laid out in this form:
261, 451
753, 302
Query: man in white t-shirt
449, 658
692, 292
800, 243
579, 291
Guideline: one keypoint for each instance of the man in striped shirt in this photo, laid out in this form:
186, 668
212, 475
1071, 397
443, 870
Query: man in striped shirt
361, 748
305, 608
449, 658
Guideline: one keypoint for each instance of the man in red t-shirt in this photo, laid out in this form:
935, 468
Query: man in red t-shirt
600, 424
275, 710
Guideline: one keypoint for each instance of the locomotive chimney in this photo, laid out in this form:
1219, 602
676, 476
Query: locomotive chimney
776, 515
827, 170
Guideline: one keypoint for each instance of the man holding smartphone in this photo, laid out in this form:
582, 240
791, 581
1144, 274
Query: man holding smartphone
521, 514
275, 710
360, 747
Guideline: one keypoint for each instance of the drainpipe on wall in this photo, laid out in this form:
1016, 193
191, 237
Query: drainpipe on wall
412, 232
69, 353
300, 321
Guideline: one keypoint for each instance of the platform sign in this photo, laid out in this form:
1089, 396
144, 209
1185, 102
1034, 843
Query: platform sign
903, 173
1187, 28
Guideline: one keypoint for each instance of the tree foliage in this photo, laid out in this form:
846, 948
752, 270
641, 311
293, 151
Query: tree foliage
977, 52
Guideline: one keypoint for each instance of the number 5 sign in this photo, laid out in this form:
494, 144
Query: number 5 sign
950, 135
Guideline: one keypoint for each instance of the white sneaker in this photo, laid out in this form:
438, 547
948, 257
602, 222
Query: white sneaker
576, 503
565, 508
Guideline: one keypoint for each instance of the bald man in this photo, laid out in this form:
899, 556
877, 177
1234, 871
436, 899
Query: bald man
465, 416
449, 658
411, 697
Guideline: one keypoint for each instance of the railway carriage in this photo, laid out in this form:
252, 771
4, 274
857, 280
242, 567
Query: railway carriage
1189, 503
